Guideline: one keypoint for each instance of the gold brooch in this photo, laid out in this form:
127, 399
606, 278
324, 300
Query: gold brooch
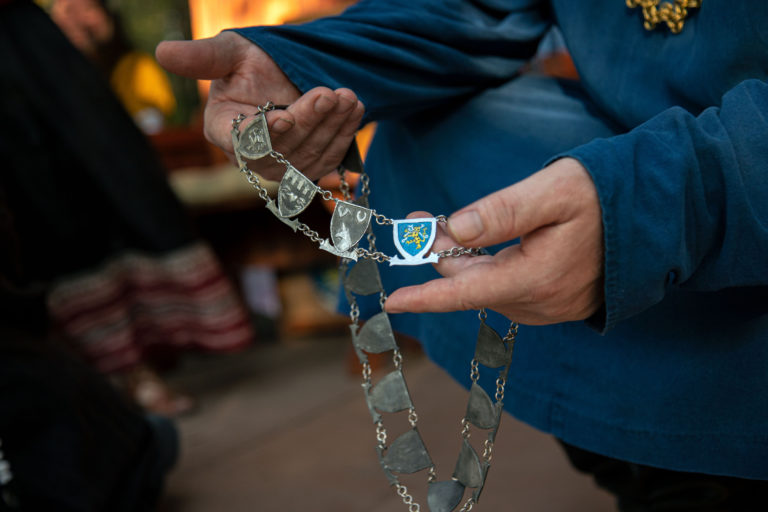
671, 13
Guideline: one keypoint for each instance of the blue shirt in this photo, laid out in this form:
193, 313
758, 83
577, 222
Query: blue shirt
673, 129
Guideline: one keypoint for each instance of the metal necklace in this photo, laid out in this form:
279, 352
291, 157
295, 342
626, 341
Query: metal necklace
351, 220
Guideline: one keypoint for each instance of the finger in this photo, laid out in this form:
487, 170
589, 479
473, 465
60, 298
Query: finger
513, 211
325, 146
204, 59
334, 134
472, 288
304, 115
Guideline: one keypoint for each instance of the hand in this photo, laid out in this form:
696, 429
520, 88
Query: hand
314, 132
555, 273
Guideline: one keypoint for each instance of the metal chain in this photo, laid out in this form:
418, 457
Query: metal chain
455, 252
465, 434
354, 313
397, 359
402, 491
254, 180
307, 231
474, 372
500, 383
413, 418
381, 435
382, 220
375, 256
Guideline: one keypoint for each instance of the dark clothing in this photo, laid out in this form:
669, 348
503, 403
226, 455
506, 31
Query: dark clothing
641, 488
71, 442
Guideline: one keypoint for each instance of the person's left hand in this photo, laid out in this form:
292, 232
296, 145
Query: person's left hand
555, 273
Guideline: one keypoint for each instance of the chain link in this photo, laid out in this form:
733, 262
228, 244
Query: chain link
500, 383
474, 372
465, 434
381, 435
354, 311
382, 220
413, 418
375, 256
402, 491
346, 191
307, 231
365, 188
469, 505
254, 180
455, 252
397, 359
487, 451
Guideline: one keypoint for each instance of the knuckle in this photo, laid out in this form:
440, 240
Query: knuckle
499, 212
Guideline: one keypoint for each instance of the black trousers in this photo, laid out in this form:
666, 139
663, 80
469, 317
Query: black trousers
640, 488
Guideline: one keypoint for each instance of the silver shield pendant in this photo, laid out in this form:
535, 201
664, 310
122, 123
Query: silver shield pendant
348, 225
254, 142
294, 193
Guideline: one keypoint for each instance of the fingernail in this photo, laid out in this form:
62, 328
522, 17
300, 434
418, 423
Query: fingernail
466, 226
282, 125
346, 104
323, 104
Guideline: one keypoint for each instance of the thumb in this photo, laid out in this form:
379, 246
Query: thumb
203, 59
509, 213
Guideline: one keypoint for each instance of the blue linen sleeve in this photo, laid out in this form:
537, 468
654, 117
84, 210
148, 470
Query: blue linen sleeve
684, 201
401, 56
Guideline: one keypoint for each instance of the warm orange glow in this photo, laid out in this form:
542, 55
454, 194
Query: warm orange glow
209, 17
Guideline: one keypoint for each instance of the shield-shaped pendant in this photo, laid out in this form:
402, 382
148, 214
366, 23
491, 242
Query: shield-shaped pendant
413, 239
348, 224
254, 141
294, 193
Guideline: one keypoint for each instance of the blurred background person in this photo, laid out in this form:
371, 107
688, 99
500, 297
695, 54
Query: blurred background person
141, 85
97, 229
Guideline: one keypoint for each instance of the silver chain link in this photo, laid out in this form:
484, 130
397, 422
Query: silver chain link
474, 371
381, 435
402, 491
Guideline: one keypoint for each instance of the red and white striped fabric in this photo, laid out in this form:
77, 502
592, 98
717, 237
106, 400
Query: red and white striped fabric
138, 303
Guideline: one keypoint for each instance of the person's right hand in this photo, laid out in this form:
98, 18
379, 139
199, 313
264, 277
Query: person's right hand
313, 133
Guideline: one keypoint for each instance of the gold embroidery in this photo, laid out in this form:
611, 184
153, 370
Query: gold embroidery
671, 13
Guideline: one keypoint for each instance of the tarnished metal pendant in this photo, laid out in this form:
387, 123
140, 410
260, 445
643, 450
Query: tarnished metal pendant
294, 193
490, 350
254, 142
364, 278
376, 336
391, 393
407, 454
468, 471
480, 410
444, 496
349, 223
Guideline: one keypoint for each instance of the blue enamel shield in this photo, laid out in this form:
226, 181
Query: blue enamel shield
414, 237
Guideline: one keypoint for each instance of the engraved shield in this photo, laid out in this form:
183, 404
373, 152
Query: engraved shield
414, 237
348, 224
254, 141
294, 193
